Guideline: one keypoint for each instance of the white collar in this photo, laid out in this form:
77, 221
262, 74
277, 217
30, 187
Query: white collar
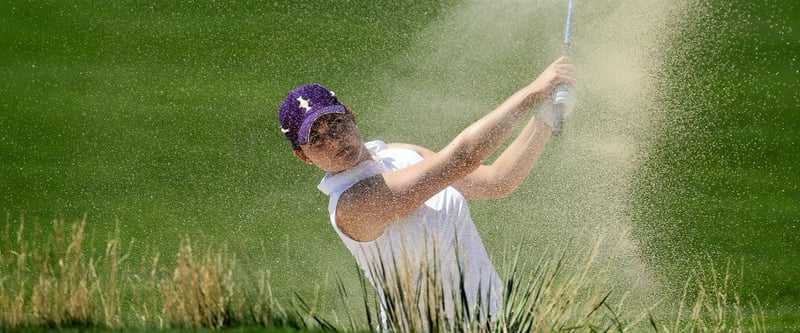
343, 180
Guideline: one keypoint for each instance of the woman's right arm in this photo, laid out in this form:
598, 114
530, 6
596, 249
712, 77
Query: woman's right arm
369, 206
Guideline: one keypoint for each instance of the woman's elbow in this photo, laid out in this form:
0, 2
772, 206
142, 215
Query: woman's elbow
501, 192
471, 148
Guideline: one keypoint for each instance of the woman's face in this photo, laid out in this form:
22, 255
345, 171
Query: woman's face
334, 144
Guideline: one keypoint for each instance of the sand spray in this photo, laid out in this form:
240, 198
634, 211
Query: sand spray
576, 197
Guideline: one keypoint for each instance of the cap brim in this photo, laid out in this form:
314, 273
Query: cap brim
308, 122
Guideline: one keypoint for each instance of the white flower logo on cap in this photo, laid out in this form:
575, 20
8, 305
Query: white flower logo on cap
304, 104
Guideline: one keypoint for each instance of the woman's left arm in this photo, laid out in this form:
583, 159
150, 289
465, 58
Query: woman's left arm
500, 178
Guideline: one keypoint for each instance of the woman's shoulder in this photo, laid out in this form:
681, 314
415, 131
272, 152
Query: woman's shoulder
422, 151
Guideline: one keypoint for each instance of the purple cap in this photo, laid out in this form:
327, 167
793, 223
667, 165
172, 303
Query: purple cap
302, 107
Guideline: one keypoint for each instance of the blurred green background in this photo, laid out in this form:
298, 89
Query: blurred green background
724, 182
161, 117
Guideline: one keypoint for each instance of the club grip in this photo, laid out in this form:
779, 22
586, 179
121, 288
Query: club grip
561, 104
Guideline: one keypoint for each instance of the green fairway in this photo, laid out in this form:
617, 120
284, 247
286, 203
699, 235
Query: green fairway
724, 185
160, 118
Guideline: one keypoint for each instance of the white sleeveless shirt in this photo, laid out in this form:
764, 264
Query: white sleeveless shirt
439, 237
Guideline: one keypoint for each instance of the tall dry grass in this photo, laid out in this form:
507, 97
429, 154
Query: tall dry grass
554, 295
559, 293
710, 302
51, 279
199, 291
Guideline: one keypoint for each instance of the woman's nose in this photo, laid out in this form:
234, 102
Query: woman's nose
330, 138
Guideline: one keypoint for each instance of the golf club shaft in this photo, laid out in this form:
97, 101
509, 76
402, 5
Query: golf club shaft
568, 29
563, 92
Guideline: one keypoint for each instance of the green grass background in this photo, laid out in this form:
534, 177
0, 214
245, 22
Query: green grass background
161, 117
724, 183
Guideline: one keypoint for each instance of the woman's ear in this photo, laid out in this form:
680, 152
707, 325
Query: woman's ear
302, 156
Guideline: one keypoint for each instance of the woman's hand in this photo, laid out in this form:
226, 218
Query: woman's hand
560, 71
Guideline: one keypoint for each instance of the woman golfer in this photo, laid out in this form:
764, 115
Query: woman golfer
402, 209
